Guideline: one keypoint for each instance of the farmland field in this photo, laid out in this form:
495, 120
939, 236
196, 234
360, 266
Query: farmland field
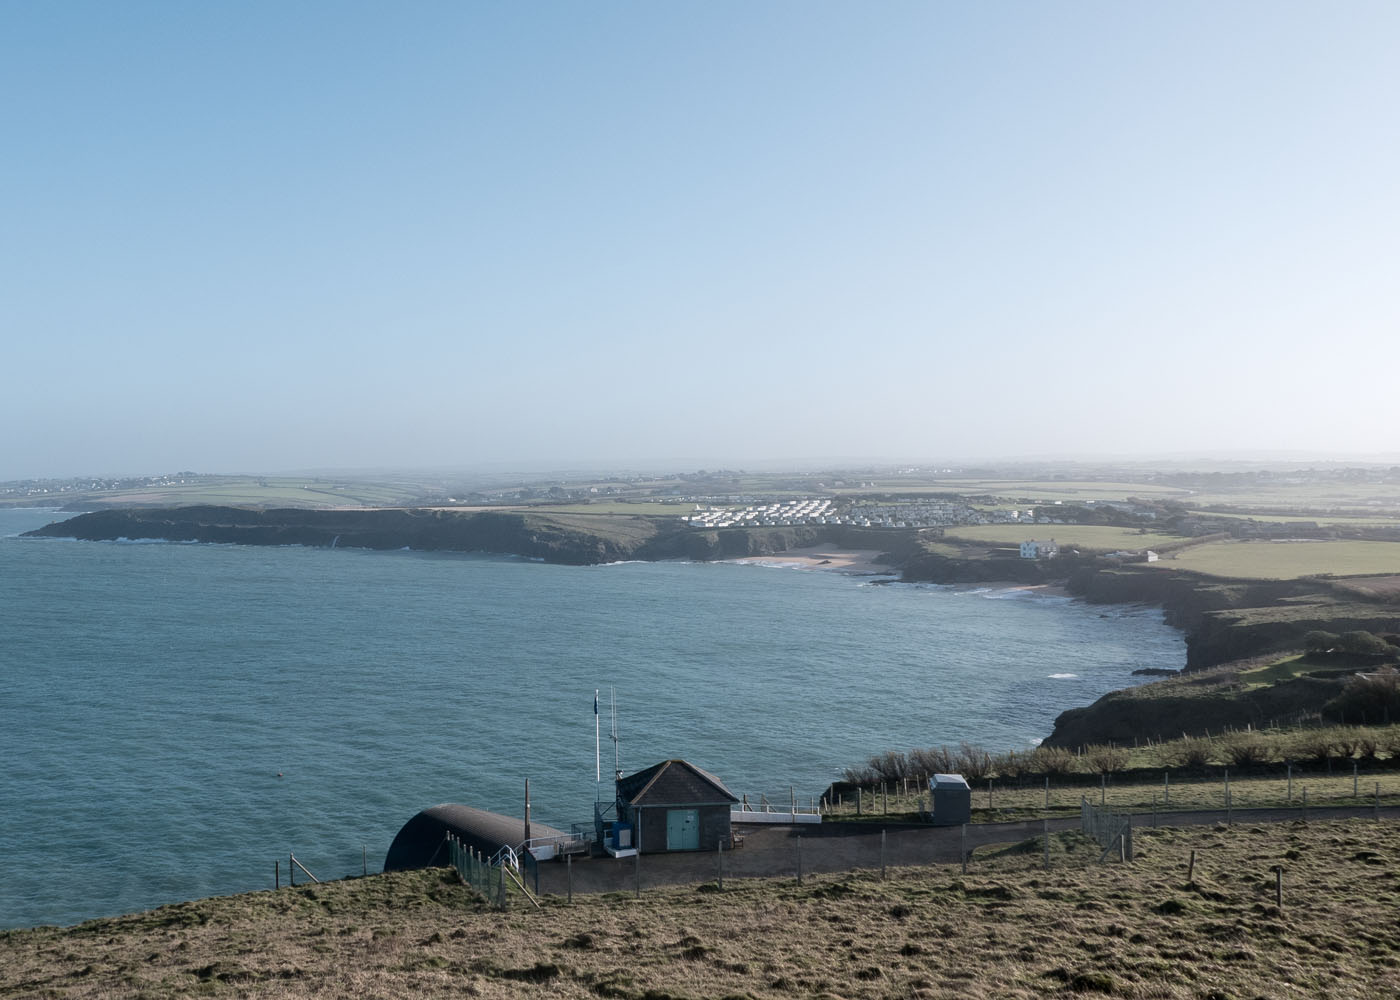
1287, 560
1322, 498
1087, 536
650, 508
1331, 520
1046, 491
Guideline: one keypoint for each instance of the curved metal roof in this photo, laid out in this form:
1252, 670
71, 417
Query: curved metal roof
422, 841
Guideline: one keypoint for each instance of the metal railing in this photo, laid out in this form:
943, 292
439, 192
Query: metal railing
787, 803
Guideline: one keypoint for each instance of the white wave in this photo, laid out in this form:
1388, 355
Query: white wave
1064, 677
123, 540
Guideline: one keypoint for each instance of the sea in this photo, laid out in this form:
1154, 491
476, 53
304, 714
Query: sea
177, 719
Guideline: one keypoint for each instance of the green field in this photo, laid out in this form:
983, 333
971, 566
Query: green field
263, 491
640, 507
1040, 491
1086, 536
1259, 560
1353, 498
1330, 520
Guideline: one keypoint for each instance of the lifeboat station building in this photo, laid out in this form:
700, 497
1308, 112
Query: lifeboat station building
671, 806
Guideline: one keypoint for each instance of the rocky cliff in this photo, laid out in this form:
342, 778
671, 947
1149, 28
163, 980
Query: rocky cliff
572, 539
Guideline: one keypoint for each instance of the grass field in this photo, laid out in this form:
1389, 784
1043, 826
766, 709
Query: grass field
1328, 520
263, 491
1286, 560
1006, 929
1041, 491
1357, 498
649, 508
1085, 536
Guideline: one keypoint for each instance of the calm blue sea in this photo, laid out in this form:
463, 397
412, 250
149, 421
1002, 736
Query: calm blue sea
174, 718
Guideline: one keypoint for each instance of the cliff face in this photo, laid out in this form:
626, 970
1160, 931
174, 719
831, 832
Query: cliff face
571, 539
1125, 716
1227, 620
428, 530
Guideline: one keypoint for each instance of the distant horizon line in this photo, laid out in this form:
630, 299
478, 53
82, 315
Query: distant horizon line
1178, 461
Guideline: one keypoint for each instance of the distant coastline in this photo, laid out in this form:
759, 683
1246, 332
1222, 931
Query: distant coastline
1223, 620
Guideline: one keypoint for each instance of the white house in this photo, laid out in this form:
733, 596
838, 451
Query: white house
1039, 550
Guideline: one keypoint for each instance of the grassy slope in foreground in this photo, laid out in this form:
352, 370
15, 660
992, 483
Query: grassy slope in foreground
1005, 930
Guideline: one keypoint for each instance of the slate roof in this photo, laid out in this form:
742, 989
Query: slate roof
676, 782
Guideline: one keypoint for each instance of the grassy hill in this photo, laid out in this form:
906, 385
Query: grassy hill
1007, 929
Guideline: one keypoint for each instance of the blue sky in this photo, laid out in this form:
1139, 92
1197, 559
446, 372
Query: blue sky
266, 236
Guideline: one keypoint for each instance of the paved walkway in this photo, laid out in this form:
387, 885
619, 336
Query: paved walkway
776, 851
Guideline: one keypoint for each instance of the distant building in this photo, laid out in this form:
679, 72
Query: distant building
1039, 550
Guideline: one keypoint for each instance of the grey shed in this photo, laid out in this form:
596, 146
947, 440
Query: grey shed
952, 799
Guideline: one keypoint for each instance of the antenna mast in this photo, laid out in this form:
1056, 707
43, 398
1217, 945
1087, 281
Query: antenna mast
617, 745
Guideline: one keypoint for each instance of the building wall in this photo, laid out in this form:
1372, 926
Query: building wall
714, 826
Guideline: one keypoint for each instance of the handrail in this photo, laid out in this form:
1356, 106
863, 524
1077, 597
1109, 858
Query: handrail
303, 868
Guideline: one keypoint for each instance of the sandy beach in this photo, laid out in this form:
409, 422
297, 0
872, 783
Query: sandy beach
858, 562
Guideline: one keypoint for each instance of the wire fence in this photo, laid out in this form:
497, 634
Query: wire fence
1109, 829
486, 877
1278, 785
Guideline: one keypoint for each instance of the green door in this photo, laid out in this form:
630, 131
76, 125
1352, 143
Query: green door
682, 829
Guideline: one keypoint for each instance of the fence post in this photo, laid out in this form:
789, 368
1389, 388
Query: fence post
1191, 869
569, 867
799, 859
964, 848
882, 855
291, 869
1278, 886
1305, 803
1045, 826
720, 878
1047, 791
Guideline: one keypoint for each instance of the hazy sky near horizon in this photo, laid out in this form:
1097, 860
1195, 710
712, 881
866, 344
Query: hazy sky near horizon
277, 235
